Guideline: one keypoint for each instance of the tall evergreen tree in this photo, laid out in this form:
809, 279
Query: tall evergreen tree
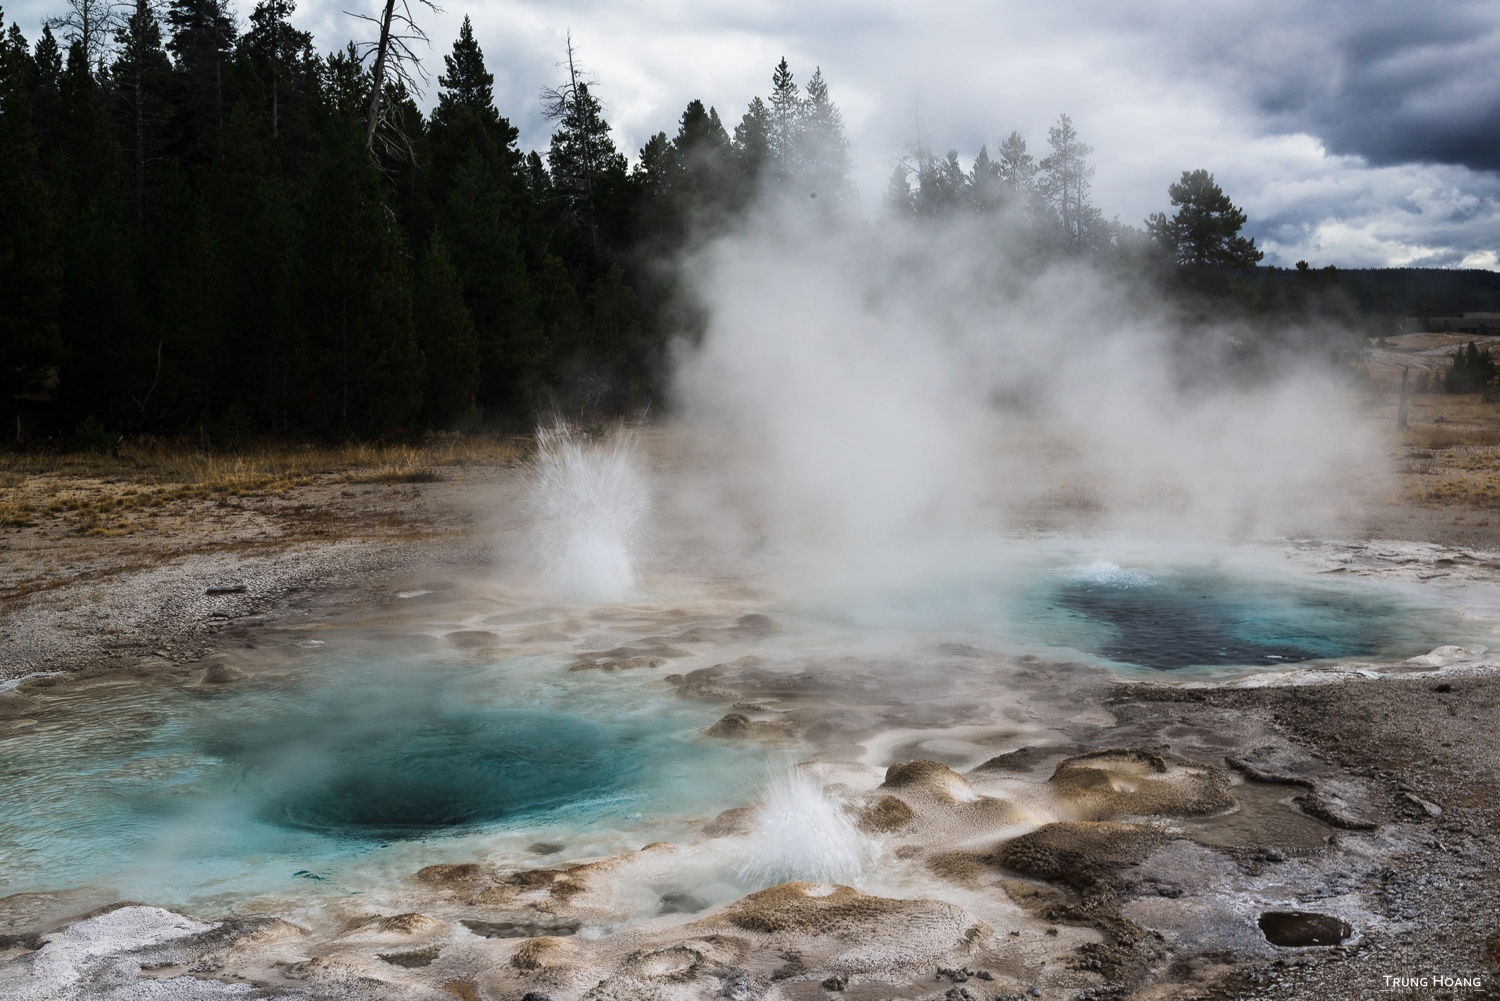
446, 335
786, 118
465, 122
1206, 229
141, 75
986, 183
754, 142
280, 53
30, 255
823, 146
364, 371
203, 36
1065, 179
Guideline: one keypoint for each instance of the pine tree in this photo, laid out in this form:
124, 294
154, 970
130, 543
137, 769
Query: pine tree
823, 147
279, 51
786, 119
465, 122
446, 335
1066, 175
141, 75
1206, 229
898, 195
581, 157
203, 36
363, 373
754, 143
466, 83
986, 183
30, 256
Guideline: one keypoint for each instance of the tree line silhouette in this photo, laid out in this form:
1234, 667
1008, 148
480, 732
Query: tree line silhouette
222, 232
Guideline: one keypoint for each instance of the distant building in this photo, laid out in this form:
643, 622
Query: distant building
1476, 324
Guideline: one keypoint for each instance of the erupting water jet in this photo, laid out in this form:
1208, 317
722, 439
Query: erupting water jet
801, 835
590, 500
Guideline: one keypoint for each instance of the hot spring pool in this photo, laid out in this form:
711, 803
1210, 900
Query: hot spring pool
1149, 613
348, 776
1204, 617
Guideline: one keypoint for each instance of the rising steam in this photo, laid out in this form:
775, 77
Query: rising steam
859, 389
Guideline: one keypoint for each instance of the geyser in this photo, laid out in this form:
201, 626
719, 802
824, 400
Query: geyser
800, 834
442, 771
590, 501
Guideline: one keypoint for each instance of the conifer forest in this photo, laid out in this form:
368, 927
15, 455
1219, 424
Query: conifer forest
212, 228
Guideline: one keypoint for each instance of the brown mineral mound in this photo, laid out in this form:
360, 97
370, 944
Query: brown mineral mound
821, 909
1082, 853
937, 794
1119, 782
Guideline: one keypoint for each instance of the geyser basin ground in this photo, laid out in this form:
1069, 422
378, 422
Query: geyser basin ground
181, 782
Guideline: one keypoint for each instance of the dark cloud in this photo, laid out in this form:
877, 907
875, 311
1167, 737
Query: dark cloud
1409, 84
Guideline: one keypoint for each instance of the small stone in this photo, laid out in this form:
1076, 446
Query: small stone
222, 674
1427, 807
837, 982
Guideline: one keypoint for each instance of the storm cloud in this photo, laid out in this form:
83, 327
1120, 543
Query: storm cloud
1351, 133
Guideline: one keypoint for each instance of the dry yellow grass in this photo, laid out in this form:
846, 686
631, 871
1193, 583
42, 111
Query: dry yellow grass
108, 495
1451, 453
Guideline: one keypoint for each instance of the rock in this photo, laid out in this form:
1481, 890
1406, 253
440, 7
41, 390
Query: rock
520, 929
756, 624
544, 848
452, 875
732, 725
738, 725
412, 959
842, 913
1429, 808
1296, 929
410, 923
226, 589
1320, 808
735, 820
836, 983
931, 778
222, 674
681, 903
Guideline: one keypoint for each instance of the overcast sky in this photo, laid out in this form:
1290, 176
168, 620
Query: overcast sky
1361, 133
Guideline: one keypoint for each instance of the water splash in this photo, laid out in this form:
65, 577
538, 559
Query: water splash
800, 834
590, 501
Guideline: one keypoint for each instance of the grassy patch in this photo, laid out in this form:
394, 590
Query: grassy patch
108, 495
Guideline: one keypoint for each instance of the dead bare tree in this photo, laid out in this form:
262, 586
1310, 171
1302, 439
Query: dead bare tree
393, 59
576, 158
91, 23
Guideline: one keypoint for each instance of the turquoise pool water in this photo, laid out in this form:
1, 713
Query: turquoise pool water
348, 776
1150, 613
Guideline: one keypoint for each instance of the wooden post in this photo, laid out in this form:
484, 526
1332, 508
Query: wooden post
1401, 414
